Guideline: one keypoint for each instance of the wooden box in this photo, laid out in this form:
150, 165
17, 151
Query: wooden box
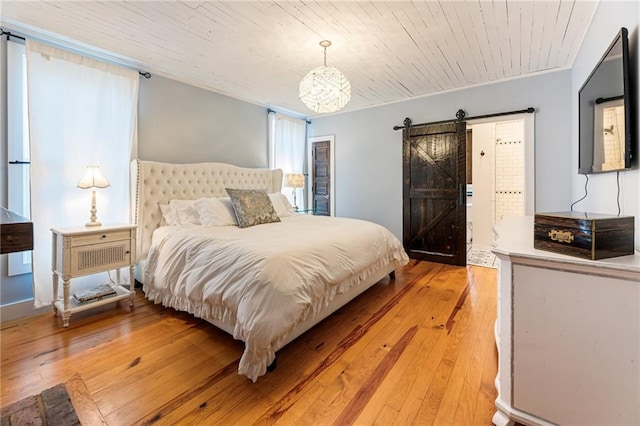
16, 232
587, 235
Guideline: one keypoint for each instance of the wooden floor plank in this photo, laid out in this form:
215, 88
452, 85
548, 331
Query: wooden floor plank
482, 348
461, 357
84, 405
350, 413
393, 392
487, 392
51, 367
408, 396
415, 350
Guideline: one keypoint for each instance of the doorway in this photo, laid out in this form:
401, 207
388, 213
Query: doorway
321, 161
501, 182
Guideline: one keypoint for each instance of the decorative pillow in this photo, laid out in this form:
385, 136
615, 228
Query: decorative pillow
185, 212
280, 204
287, 204
252, 207
216, 212
168, 218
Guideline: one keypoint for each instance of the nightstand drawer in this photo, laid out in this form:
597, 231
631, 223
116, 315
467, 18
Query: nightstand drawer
100, 237
100, 257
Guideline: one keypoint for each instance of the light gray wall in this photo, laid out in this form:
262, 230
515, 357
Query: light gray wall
609, 17
179, 123
369, 152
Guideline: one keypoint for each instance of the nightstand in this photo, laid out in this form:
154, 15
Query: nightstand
80, 251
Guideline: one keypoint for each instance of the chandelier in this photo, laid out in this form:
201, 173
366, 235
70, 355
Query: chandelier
325, 89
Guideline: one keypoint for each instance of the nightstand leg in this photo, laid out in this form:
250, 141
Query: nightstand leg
55, 293
66, 285
132, 285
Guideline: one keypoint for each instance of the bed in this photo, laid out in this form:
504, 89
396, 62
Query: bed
264, 284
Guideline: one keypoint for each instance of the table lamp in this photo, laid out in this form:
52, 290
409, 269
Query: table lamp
295, 181
93, 179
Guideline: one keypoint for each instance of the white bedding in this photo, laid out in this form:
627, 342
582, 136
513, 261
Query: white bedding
263, 280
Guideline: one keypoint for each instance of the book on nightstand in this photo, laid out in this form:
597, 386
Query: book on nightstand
85, 295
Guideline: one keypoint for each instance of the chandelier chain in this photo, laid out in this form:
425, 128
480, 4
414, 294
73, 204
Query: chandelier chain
324, 44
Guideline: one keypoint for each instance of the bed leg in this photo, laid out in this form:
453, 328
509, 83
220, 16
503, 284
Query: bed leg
271, 367
392, 275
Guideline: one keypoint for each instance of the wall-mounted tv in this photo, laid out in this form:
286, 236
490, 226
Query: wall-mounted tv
606, 108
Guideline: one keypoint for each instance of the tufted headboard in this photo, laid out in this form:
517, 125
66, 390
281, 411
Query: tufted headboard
154, 183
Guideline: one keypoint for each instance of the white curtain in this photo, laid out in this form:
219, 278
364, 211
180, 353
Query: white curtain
287, 148
81, 112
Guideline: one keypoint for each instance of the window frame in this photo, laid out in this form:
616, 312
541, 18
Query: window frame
18, 167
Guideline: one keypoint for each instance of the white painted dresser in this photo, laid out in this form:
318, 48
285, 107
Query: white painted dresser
568, 334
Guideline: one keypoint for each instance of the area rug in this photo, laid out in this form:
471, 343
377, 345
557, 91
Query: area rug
479, 257
51, 407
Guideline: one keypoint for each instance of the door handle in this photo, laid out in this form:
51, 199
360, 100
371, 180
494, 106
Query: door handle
326, 197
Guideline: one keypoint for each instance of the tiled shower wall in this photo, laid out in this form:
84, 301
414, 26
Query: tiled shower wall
509, 169
613, 123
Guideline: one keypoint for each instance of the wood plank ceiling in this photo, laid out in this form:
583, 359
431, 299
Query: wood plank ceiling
258, 51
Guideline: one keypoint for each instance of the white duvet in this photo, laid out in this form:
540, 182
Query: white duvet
263, 280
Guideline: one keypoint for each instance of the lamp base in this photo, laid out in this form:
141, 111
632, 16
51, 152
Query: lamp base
93, 218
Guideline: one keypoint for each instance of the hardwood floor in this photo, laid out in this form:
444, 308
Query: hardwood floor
417, 350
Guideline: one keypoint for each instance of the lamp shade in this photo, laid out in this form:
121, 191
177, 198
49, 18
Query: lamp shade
295, 180
93, 179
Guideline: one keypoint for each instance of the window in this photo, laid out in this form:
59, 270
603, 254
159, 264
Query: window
18, 147
81, 112
287, 149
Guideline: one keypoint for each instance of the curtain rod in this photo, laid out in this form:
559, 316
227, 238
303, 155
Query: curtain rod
460, 116
9, 35
145, 74
269, 111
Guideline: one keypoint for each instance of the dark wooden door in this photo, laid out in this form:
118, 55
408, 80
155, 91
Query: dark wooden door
321, 174
434, 197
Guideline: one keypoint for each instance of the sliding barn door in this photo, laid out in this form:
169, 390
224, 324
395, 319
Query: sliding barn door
434, 197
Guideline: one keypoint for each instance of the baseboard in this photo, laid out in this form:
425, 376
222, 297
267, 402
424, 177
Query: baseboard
24, 308
481, 247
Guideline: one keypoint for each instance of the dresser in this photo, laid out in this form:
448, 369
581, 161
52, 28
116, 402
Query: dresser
16, 232
567, 332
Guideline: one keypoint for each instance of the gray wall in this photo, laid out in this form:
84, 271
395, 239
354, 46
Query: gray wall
369, 152
609, 17
179, 123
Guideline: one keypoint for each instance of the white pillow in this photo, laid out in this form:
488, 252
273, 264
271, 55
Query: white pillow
185, 212
281, 204
216, 212
168, 218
